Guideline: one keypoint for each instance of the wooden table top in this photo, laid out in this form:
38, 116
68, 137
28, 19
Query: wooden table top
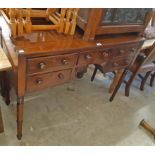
50, 42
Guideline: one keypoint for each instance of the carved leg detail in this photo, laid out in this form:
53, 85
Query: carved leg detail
118, 84
20, 107
144, 80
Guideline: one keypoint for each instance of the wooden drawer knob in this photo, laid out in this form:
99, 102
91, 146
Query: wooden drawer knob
115, 64
105, 54
65, 62
61, 76
42, 65
127, 62
122, 51
88, 57
39, 81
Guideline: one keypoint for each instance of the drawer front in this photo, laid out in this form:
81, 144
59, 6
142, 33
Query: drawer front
115, 65
101, 55
124, 50
51, 63
38, 82
92, 57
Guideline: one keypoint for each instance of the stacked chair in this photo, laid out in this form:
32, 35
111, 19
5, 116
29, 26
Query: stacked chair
24, 21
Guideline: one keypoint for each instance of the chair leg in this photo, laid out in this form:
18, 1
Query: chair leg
152, 79
144, 80
118, 84
128, 84
94, 74
115, 80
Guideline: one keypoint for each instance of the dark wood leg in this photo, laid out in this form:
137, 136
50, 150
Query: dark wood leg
20, 108
128, 84
5, 87
94, 74
2, 85
81, 73
152, 79
144, 80
1, 123
118, 84
115, 80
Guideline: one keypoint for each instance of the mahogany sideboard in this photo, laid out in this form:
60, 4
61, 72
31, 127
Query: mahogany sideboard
46, 58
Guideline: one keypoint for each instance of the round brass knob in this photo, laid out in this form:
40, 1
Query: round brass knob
65, 62
42, 65
61, 76
39, 81
88, 57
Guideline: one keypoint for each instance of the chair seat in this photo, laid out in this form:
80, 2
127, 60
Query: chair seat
4, 62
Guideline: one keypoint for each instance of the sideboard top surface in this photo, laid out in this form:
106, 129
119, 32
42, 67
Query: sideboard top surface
42, 43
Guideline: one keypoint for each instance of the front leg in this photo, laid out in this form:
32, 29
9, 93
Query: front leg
20, 108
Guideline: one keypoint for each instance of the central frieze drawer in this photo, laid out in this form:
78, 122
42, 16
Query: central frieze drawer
92, 57
51, 63
38, 82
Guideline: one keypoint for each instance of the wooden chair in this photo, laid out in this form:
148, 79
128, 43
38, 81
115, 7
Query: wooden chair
140, 65
143, 64
23, 21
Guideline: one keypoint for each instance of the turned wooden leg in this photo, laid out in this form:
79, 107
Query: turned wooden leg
20, 108
94, 74
115, 80
118, 84
152, 79
144, 80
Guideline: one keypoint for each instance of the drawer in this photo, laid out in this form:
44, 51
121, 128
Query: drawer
115, 65
124, 50
38, 82
51, 63
92, 57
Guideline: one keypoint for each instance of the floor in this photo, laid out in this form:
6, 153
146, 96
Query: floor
79, 113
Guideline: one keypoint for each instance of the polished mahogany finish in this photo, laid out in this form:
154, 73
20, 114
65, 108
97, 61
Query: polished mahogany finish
46, 58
